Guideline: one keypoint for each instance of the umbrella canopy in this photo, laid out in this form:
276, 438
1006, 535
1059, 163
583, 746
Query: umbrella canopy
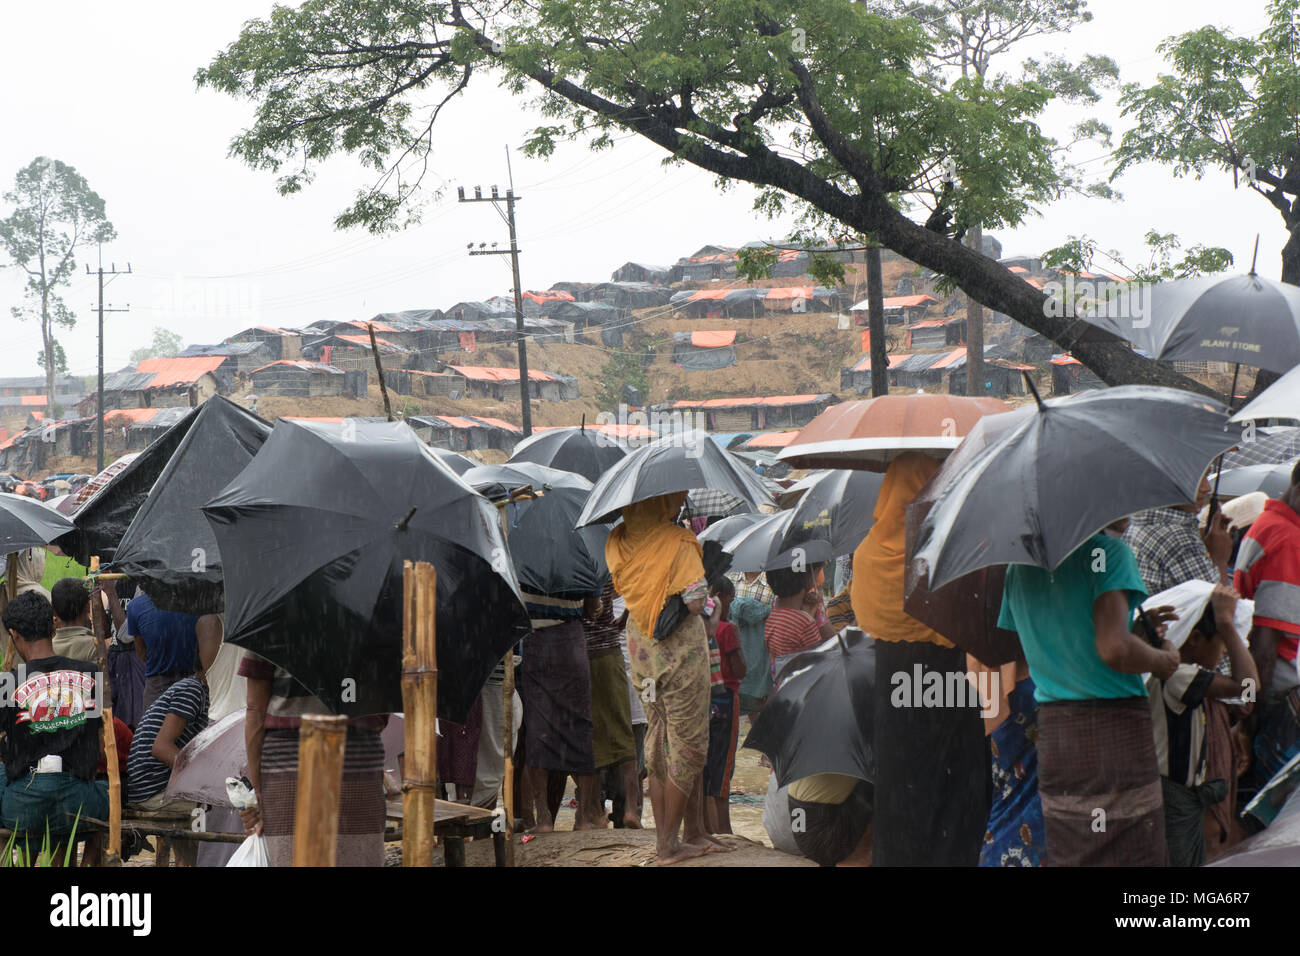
169, 545
1276, 845
1273, 480
1264, 448
677, 462
549, 555
70, 505
104, 518
1066, 470
28, 523
870, 433
819, 719
1246, 319
453, 460
589, 453
313, 534
830, 518
1279, 400
722, 531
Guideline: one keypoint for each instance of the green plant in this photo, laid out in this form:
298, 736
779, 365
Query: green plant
45, 854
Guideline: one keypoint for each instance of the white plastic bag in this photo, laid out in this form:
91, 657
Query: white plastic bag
252, 852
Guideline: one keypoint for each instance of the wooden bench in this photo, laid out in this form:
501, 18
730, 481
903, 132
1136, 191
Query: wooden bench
453, 823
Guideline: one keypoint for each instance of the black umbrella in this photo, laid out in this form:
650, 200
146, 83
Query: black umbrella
676, 462
1064, 472
100, 523
169, 545
1243, 319
725, 529
777, 541
819, 719
588, 452
313, 534
28, 523
549, 555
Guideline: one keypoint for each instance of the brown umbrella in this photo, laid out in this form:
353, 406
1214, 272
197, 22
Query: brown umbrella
869, 434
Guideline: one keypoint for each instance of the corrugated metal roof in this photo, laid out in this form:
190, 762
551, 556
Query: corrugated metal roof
224, 348
179, 371
313, 367
364, 341
126, 381
770, 400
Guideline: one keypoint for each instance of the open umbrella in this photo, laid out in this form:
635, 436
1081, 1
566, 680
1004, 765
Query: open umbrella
819, 719
829, 519
870, 433
588, 452
1279, 400
28, 523
727, 528
1065, 471
1264, 448
549, 554
103, 519
453, 460
313, 534
169, 545
1243, 319
1273, 480
677, 462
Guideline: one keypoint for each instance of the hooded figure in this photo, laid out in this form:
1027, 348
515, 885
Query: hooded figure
29, 568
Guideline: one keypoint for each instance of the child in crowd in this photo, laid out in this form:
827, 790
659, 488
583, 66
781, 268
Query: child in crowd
798, 621
726, 669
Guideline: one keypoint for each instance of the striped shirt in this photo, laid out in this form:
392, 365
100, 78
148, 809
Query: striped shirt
1268, 573
789, 631
602, 631
146, 775
1178, 720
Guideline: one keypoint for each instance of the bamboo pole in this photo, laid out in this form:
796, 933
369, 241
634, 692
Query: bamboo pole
320, 781
420, 709
113, 854
379, 368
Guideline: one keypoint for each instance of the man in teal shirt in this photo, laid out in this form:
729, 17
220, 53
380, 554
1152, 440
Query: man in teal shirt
1098, 777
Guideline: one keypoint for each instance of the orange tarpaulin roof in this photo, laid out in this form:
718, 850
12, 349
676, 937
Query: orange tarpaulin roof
771, 440
713, 340
484, 373
790, 292
365, 340
1018, 270
379, 326
550, 295
136, 415
708, 294
33, 400
951, 357
179, 371
740, 402
908, 301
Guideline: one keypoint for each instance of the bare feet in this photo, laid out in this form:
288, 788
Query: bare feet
675, 852
631, 821
710, 844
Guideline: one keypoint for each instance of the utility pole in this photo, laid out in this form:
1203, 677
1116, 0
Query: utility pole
876, 323
99, 400
513, 252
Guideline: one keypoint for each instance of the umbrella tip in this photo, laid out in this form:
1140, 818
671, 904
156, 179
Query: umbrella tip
582, 425
1255, 255
1033, 390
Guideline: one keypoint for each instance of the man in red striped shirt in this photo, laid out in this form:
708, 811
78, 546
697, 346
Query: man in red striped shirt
1268, 572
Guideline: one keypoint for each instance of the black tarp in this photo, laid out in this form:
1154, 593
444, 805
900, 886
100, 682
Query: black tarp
170, 546
696, 358
101, 521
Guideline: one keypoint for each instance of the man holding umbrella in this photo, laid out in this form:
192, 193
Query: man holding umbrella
1098, 777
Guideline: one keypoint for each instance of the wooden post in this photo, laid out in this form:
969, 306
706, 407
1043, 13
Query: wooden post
7, 595
320, 782
113, 854
379, 368
420, 709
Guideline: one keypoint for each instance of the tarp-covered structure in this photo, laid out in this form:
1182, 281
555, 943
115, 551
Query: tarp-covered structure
169, 546
704, 351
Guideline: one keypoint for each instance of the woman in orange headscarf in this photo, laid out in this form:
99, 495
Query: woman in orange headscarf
933, 780
655, 562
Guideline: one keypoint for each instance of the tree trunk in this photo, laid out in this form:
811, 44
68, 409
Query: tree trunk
975, 326
1290, 274
47, 342
876, 324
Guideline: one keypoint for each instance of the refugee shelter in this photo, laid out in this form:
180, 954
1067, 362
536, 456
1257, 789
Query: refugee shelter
301, 379
702, 351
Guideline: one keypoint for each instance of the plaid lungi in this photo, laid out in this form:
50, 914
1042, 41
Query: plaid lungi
361, 801
1100, 784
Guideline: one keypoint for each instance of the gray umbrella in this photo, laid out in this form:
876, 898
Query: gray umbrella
1244, 319
1264, 448
676, 462
28, 523
831, 516
1273, 480
1066, 471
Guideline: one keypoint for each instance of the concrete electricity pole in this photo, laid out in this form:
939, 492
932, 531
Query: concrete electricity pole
99, 399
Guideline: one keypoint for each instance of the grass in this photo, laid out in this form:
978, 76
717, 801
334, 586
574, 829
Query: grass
21, 856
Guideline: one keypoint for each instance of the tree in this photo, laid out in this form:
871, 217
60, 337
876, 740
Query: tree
164, 345
622, 369
55, 214
830, 109
1233, 104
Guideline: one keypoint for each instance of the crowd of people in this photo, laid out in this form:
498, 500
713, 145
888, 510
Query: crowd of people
1105, 744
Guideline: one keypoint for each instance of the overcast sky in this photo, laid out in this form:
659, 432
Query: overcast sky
109, 89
